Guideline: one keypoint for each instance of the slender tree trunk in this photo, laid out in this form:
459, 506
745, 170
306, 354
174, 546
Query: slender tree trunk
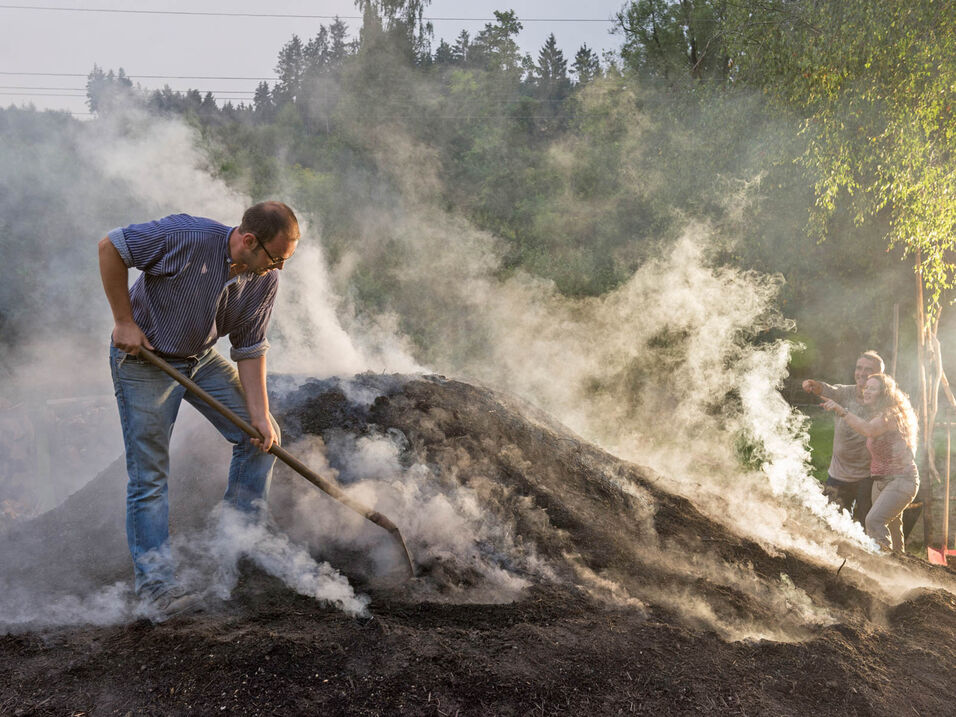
949, 452
896, 337
923, 406
932, 377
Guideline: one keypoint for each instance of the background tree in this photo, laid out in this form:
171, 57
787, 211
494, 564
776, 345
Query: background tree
876, 85
290, 70
675, 38
104, 87
316, 53
459, 51
340, 46
495, 46
551, 71
404, 22
262, 104
586, 65
444, 55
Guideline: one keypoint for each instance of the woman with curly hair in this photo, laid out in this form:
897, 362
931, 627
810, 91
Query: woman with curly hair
890, 429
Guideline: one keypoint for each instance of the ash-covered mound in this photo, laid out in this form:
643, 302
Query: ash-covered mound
492, 497
553, 578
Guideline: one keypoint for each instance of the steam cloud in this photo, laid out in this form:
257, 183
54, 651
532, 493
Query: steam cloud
449, 527
661, 371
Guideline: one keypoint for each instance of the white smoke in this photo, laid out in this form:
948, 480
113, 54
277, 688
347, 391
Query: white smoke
664, 371
24, 610
452, 530
232, 536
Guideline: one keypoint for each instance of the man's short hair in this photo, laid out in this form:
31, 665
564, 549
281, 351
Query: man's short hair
268, 220
873, 356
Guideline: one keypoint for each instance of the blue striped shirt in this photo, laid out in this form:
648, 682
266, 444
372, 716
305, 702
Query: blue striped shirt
184, 300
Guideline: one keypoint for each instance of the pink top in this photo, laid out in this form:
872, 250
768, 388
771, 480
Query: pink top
889, 454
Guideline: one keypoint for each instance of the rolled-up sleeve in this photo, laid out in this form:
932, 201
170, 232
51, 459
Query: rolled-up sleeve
249, 338
249, 352
118, 240
143, 246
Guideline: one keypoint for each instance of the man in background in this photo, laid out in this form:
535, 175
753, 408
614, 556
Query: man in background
201, 280
848, 478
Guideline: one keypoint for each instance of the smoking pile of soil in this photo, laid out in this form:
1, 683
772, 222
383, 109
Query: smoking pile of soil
639, 604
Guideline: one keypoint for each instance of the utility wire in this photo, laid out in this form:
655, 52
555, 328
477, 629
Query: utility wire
133, 77
39, 94
24, 87
294, 16
83, 89
485, 99
78, 95
249, 96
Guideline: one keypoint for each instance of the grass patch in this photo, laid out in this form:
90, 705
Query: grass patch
821, 443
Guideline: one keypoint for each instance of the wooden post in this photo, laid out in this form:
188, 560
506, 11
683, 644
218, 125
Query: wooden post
923, 408
949, 443
896, 338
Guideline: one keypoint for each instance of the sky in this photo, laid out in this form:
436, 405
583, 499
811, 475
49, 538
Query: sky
183, 50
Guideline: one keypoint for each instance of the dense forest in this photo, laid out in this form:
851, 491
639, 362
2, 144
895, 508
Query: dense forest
809, 141
736, 115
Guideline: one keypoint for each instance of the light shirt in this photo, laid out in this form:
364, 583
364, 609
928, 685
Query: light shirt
851, 459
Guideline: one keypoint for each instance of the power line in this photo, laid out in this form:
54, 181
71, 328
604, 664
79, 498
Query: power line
24, 87
248, 96
136, 77
83, 89
40, 94
500, 98
504, 98
293, 16
79, 95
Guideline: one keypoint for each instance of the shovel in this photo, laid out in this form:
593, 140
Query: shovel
282, 454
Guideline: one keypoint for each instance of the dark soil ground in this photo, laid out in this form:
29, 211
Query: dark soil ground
563, 647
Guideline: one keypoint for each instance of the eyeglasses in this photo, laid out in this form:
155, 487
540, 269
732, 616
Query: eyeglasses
273, 261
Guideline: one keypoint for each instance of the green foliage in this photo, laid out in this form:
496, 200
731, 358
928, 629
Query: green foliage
820, 430
401, 22
587, 65
876, 83
291, 69
103, 88
750, 451
580, 183
495, 47
675, 38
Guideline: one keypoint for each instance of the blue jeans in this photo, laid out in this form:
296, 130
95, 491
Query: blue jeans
148, 402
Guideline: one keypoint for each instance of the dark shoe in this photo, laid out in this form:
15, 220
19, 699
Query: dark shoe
176, 601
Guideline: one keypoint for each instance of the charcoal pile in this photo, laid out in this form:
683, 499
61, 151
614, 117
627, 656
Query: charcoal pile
552, 578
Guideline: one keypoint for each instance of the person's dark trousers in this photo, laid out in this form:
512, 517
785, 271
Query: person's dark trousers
864, 500
840, 492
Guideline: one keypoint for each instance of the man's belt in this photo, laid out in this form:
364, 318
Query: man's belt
170, 357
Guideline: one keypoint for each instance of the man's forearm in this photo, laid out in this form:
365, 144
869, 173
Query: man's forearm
826, 390
127, 336
819, 388
115, 277
252, 376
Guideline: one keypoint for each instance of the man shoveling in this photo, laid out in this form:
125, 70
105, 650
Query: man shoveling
201, 280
